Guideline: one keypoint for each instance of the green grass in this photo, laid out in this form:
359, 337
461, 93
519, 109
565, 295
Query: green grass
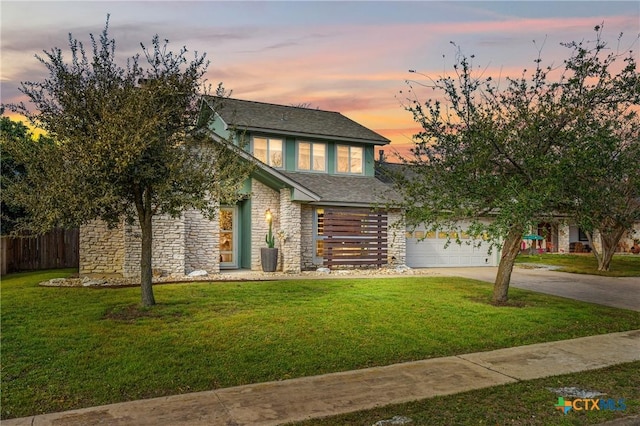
523, 403
621, 265
65, 348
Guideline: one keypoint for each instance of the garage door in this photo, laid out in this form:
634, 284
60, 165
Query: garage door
431, 251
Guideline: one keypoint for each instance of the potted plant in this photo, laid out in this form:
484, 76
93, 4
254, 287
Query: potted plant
269, 254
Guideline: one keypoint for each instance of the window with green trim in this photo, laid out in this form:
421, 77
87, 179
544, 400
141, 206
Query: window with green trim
349, 159
312, 156
269, 151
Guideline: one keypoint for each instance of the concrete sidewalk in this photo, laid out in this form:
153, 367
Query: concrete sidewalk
285, 401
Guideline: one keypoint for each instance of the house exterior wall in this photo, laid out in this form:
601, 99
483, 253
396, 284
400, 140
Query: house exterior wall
306, 238
563, 238
202, 237
262, 198
628, 239
397, 241
571, 235
101, 249
290, 226
168, 247
180, 246
568, 234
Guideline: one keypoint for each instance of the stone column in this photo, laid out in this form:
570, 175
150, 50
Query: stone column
289, 235
397, 242
262, 198
307, 229
563, 238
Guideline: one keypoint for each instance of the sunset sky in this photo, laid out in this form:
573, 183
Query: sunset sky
351, 57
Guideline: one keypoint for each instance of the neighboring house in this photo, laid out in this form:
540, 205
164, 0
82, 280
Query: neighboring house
315, 175
569, 238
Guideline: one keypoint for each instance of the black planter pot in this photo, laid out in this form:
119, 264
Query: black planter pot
269, 258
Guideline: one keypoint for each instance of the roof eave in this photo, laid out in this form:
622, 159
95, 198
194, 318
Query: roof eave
312, 135
352, 204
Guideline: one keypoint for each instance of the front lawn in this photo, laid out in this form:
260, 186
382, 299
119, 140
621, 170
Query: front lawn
65, 348
621, 265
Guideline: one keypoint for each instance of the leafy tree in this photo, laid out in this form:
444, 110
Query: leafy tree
600, 165
11, 132
131, 142
486, 151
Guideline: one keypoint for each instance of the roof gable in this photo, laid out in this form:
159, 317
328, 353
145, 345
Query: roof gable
289, 120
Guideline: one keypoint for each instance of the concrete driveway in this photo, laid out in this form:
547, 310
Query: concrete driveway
617, 292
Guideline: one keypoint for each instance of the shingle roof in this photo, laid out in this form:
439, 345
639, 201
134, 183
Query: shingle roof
272, 118
366, 190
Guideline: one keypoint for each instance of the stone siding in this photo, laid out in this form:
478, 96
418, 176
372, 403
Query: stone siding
191, 242
563, 238
397, 241
168, 247
290, 227
101, 249
262, 198
627, 240
202, 246
306, 238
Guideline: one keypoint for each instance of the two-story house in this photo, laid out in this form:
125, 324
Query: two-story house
314, 175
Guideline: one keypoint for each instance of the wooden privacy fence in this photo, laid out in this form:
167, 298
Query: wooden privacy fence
354, 237
56, 249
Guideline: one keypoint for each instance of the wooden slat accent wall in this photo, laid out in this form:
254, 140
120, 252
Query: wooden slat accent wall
354, 237
56, 249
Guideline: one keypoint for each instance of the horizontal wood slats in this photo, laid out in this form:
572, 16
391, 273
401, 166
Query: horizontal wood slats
354, 237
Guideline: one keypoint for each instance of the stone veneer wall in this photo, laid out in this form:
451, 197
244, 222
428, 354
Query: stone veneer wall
306, 238
202, 246
168, 247
627, 240
397, 241
262, 198
563, 238
290, 225
101, 249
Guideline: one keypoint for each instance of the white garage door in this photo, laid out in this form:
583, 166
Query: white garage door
431, 251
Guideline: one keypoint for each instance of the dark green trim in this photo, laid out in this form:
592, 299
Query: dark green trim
244, 237
369, 161
246, 187
290, 154
331, 158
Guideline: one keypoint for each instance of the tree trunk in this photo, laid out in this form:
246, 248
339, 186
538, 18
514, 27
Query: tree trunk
610, 239
144, 216
510, 250
594, 249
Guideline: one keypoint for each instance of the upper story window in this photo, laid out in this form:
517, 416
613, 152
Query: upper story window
349, 159
312, 156
269, 151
